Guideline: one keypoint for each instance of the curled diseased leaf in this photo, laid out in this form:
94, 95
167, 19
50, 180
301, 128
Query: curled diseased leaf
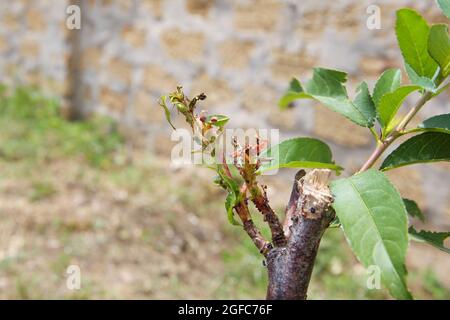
230, 203
163, 104
217, 120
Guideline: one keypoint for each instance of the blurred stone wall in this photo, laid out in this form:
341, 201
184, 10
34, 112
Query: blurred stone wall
240, 53
33, 44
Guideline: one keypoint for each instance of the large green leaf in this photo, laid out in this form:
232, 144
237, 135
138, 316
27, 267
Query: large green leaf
445, 7
412, 35
413, 209
439, 47
390, 103
364, 103
440, 123
374, 220
327, 87
388, 82
299, 153
436, 239
425, 147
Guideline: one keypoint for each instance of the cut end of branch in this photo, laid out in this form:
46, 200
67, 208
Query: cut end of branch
316, 196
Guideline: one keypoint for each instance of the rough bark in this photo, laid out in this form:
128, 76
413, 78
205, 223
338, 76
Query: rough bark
290, 267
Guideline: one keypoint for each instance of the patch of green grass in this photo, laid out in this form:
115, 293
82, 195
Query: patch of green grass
33, 129
434, 287
41, 190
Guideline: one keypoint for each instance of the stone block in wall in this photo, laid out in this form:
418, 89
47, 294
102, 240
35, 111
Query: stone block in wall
134, 36
119, 70
235, 54
35, 20
258, 15
156, 79
199, 7
29, 48
284, 120
153, 7
112, 100
10, 21
218, 91
3, 44
285, 65
91, 58
146, 109
334, 127
259, 98
183, 45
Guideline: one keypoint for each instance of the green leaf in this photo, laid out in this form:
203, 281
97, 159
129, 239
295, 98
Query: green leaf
230, 202
232, 186
364, 103
295, 85
374, 220
221, 120
424, 82
299, 153
440, 123
412, 35
390, 103
162, 103
294, 92
388, 82
436, 239
439, 47
445, 7
413, 209
327, 87
425, 147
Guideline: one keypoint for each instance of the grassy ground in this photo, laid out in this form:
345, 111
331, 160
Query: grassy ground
75, 193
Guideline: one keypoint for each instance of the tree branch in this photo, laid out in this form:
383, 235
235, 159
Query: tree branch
261, 202
291, 207
381, 147
251, 229
290, 267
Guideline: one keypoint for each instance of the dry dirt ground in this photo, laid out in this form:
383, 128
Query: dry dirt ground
142, 230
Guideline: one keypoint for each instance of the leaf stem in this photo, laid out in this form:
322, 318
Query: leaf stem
375, 135
397, 132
